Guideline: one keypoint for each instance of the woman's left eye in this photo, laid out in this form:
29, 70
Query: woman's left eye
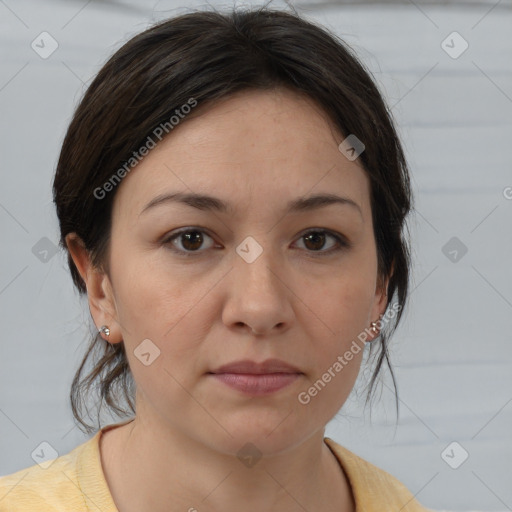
317, 237
192, 239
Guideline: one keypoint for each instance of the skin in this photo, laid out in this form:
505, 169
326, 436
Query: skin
296, 302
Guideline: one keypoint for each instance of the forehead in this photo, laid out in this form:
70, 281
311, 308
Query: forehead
255, 148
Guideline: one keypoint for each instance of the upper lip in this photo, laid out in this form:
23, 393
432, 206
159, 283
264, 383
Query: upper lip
248, 366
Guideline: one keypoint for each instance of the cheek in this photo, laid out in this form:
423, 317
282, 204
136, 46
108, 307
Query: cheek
165, 304
341, 302
337, 352
341, 305
152, 293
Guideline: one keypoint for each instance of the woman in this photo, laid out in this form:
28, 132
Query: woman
232, 195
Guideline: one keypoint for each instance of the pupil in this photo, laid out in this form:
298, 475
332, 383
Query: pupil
188, 237
316, 236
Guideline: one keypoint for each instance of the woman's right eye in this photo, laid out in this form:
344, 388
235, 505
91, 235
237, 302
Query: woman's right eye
190, 240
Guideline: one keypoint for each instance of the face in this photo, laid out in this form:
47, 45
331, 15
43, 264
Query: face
257, 280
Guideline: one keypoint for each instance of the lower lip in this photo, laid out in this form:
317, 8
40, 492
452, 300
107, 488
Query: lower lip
253, 384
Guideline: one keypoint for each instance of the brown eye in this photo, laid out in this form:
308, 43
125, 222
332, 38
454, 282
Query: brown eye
187, 241
315, 240
192, 240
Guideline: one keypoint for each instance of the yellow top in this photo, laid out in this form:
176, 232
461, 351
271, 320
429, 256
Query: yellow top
75, 482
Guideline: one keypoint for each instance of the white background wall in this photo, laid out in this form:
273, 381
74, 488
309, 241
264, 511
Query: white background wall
453, 354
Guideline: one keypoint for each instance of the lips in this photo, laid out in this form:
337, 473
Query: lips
249, 367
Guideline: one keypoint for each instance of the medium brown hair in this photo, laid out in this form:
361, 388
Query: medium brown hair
208, 56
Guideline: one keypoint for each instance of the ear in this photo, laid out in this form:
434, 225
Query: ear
381, 300
99, 289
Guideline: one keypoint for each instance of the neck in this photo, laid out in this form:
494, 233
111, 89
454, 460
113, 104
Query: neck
153, 467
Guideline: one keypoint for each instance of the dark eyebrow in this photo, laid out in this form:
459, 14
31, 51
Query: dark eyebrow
209, 203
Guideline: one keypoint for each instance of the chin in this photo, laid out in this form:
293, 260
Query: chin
263, 438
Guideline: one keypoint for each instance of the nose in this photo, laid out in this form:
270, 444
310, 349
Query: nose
258, 297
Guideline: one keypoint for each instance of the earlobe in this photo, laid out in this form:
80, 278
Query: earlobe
381, 301
100, 297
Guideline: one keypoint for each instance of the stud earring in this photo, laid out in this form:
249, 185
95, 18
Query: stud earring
105, 330
373, 326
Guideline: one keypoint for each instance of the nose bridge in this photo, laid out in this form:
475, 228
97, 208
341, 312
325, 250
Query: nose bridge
257, 264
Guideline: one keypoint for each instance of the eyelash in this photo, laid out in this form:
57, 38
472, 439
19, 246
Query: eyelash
343, 244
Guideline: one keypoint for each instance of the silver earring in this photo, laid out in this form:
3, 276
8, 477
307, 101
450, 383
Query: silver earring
373, 325
105, 330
